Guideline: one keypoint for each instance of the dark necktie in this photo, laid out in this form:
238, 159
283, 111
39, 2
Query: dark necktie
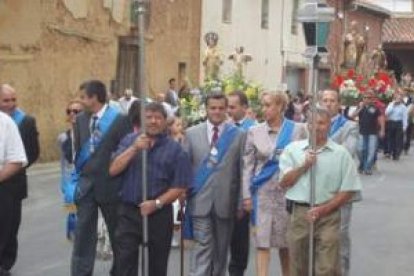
94, 134
215, 136
94, 125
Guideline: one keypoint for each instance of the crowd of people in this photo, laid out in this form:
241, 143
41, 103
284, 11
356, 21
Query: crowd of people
238, 174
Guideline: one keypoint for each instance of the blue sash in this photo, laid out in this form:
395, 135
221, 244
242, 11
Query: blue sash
18, 116
207, 167
84, 154
337, 124
247, 123
272, 165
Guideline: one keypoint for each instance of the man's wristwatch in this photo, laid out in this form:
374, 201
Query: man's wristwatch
158, 204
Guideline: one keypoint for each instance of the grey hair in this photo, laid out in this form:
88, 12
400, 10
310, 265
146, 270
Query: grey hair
321, 112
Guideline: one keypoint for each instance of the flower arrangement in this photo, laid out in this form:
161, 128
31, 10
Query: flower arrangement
235, 82
191, 109
352, 86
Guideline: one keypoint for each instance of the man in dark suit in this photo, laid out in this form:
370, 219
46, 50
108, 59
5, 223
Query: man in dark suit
18, 183
98, 131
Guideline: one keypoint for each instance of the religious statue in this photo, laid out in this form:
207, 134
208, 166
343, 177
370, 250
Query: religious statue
212, 58
379, 59
239, 59
355, 47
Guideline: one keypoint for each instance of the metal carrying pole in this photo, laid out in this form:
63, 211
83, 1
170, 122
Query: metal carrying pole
315, 16
141, 11
313, 78
182, 239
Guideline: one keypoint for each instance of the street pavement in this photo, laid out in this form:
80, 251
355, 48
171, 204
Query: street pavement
382, 226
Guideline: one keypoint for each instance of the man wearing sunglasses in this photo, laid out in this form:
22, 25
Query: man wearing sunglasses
17, 185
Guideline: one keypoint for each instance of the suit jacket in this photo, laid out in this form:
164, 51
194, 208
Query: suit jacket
222, 188
94, 176
17, 184
171, 99
348, 136
259, 147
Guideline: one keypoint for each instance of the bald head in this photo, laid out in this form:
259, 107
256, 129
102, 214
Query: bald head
8, 101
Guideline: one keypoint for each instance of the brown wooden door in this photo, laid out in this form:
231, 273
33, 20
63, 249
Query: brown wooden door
127, 65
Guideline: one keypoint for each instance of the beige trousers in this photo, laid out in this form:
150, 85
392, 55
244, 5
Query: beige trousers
326, 243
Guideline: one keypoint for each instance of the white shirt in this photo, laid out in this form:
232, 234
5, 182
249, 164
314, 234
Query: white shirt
126, 104
168, 108
99, 114
210, 131
11, 145
174, 93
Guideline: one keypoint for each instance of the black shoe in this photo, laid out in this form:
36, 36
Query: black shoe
368, 172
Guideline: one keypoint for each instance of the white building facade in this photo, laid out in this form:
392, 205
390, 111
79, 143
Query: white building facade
266, 30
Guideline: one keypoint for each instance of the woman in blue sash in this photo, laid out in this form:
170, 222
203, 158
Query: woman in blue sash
65, 141
262, 195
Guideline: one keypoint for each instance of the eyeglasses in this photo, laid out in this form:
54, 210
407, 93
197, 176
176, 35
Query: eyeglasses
72, 111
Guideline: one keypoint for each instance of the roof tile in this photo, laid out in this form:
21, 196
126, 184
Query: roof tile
398, 30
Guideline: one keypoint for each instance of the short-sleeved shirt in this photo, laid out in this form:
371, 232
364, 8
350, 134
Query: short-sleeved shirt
11, 145
335, 172
168, 167
368, 120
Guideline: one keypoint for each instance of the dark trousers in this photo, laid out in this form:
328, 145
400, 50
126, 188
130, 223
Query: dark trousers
10, 217
86, 236
129, 237
408, 134
384, 144
395, 138
239, 246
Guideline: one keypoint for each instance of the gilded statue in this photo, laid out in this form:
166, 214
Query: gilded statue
379, 59
355, 47
212, 57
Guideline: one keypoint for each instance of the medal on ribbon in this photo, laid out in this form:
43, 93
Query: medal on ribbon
213, 160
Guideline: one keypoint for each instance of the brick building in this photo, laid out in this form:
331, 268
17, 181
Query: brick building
370, 19
398, 40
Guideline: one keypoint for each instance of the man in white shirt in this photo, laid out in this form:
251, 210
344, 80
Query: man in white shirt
126, 101
12, 160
